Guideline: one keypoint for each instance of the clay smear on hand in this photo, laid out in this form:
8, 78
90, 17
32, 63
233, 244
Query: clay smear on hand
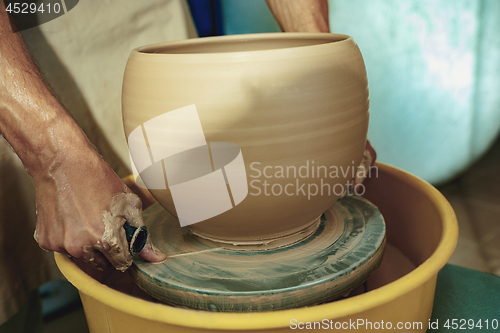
125, 207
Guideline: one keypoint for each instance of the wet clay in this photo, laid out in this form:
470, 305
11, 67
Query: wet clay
125, 208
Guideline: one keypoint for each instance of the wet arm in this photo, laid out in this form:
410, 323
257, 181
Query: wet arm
74, 185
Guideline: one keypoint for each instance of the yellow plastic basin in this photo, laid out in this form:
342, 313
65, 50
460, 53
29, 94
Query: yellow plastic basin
420, 223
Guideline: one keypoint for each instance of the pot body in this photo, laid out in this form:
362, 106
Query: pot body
295, 104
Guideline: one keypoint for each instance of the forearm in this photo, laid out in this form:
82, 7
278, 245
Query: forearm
31, 118
300, 15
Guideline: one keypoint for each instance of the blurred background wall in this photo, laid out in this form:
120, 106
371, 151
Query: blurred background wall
433, 72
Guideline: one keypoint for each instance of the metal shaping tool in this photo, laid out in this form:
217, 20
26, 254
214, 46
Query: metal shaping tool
136, 238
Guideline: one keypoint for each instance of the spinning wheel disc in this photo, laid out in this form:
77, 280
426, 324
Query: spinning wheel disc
341, 253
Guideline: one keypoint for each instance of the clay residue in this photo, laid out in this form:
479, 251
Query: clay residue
129, 207
125, 207
264, 244
343, 251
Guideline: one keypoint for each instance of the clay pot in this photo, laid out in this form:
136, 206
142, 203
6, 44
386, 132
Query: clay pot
295, 104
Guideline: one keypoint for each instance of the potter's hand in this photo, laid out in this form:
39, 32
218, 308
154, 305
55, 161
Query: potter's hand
363, 170
81, 208
74, 186
368, 160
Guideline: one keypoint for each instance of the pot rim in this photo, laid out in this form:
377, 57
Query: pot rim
281, 318
329, 42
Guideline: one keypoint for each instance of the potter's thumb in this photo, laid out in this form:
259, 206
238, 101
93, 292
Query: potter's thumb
151, 253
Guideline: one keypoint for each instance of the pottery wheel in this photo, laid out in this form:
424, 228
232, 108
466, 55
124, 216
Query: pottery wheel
341, 253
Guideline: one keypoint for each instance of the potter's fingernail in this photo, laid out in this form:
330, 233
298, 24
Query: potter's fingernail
157, 250
159, 253
162, 256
